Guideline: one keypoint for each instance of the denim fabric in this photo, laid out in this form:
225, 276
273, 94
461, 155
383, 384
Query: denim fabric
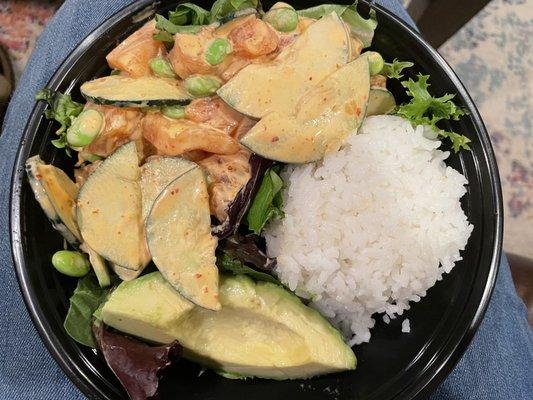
498, 364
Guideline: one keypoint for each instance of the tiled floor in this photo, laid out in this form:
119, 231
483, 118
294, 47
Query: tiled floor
492, 54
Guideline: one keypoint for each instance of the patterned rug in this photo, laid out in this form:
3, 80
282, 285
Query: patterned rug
492, 54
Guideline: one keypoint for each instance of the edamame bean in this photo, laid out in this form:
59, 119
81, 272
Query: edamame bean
202, 85
161, 67
85, 128
217, 51
90, 157
282, 19
71, 263
375, 61
175, 112
281, 4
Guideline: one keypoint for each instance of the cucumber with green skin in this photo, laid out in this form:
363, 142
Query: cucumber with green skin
123, 91
56, 194
237, 14
52, 202
178, 234
109, 210
125, 274
99, 266
380, 102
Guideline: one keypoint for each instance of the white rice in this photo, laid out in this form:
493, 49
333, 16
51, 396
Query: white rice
406, 326
371, 227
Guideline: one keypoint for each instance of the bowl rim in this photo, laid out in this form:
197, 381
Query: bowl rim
451, 351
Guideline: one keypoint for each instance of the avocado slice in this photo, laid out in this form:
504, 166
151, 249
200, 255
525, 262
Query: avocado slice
260, 89
324, 117
178, 233
147, 307
262, 329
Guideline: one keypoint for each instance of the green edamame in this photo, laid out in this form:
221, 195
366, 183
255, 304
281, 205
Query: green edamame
161, 67
90, 157
175, 112
375, 62
281, 4
217, 51
85, 128
202, 85
282, 19
71, 263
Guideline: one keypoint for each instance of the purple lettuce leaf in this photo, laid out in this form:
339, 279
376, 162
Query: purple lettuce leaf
237, 209
137, 365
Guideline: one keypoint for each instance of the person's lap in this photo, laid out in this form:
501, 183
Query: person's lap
497, 365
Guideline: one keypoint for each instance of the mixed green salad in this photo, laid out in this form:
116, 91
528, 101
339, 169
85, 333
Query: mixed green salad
180, 151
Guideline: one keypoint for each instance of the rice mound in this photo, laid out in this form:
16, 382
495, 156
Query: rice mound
371, 227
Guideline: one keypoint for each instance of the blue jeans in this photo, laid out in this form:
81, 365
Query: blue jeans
497, 365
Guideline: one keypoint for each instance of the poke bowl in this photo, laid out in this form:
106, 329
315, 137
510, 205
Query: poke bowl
264, 200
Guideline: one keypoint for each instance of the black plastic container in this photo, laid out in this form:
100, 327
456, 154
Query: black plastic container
393, 365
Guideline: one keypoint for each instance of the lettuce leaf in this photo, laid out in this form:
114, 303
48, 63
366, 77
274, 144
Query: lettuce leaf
189, 14
235, 266
246, 250
85, 300
137, 365
190, 18
267, 203
63, 110
167, 29
239, 206
395, 68
362, 28
223, 8
424, 109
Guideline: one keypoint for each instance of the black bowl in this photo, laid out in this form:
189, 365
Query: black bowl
393, 365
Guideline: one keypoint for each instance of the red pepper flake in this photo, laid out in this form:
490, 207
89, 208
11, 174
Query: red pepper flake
275, 139
197, 276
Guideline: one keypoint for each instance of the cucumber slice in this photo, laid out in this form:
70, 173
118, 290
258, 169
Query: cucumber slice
238, 14
157, 174
325, 116
56, 194
178, 232
380, 102
260, 89
123, 91
99, 265
109, 210
125, 274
